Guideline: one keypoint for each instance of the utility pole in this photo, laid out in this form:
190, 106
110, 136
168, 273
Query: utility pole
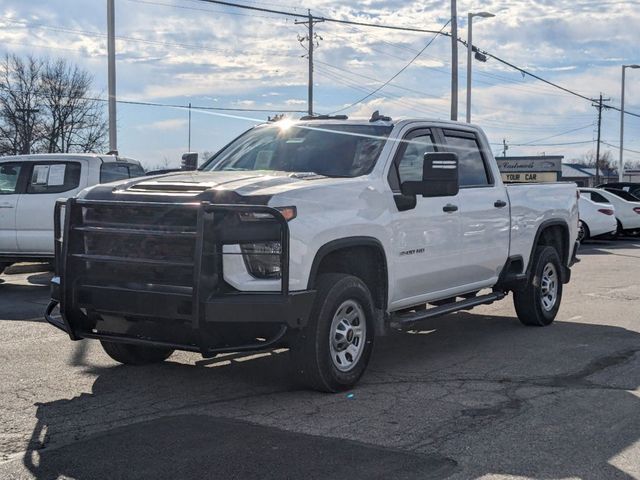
599, 106
505, 147
189, 142
454, 60
311, 39
111, 61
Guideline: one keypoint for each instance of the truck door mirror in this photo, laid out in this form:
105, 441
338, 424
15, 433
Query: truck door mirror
439, 177
190, 161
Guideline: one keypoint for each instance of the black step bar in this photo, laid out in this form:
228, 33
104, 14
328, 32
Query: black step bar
401, 320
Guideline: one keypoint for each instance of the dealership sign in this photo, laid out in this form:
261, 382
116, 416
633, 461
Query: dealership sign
530, 169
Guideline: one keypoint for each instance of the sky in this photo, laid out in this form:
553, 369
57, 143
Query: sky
188, 51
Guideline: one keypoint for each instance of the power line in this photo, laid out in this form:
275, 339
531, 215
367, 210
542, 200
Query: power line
398, 73
556, 135
170, 105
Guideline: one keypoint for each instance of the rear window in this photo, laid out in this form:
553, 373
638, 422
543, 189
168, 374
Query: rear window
9, 174
114, 171
624, 195
54, 177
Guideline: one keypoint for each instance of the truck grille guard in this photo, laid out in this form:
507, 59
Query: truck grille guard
159, 266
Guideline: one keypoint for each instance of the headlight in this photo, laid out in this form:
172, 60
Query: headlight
263, 259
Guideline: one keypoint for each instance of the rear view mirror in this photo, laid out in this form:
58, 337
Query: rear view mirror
439, 177
8, 170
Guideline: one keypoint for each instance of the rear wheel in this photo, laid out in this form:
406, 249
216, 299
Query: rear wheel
538, 302
135, 354
332, 351
583, 231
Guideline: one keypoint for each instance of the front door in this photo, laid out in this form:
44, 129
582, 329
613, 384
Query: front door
425, 237
9, 193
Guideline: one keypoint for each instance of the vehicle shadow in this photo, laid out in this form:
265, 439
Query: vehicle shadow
462, 390
24, 298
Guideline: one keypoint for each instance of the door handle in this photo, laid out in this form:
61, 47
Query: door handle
6, 205
450, 208
500, 204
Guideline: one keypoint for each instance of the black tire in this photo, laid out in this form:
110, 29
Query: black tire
531, 302
583, 232
135, 354
311, 351
620, 230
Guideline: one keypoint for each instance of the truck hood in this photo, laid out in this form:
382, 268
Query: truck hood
229, 186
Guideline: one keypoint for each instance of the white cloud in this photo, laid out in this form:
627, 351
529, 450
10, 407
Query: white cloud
165, 125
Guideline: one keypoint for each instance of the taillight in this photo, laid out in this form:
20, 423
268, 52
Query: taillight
637, 210
608, 211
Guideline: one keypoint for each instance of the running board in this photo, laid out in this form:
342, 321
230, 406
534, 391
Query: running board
403, 320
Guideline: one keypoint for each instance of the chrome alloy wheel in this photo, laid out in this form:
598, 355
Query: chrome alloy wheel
581, 232
347, 335
549, 287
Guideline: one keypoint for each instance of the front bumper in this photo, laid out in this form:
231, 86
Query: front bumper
140, 306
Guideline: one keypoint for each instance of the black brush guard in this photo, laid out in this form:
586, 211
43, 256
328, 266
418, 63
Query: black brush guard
151, 273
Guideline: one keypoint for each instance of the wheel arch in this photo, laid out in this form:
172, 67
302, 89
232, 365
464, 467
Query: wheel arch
553, 233
349, 255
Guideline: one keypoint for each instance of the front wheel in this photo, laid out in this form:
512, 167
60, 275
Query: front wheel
332, 352
135, 354
538, 302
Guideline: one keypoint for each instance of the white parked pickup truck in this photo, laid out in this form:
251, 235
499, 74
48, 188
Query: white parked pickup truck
317, 235
29, 188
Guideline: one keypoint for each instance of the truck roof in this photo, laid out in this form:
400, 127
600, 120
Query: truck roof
34, 157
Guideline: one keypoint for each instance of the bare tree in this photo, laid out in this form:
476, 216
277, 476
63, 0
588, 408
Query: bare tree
20, 117
74, 122
46, 106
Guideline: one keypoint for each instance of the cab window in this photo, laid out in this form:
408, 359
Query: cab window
114, 171
54, 177
9, 175
472, 168
411, 162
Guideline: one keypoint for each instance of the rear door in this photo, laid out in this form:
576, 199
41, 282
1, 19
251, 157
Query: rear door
484, 211
11, 184
47, 181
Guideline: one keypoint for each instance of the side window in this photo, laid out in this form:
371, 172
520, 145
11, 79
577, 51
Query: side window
471, 165
596, 197
9, 174
135, 170
54, 177
113, 171
412, 157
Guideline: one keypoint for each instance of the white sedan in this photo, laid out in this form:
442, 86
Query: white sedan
595, 218
627, 212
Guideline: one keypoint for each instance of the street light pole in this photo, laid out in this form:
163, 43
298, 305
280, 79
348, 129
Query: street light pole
470, 55
621, 164
454, 60
111, 61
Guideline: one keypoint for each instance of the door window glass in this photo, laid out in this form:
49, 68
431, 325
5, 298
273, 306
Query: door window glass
471, 167
412, 160
54, 177
9, 174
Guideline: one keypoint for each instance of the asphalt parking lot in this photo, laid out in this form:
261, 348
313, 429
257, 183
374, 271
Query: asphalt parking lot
471, 395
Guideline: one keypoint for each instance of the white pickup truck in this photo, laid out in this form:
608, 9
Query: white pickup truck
29, 188
317, 235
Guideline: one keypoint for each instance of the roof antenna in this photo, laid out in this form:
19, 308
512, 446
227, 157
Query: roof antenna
376, 116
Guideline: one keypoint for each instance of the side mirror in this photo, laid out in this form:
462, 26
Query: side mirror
190, 161
439, 177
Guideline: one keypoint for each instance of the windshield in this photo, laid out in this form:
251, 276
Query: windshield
331, 150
